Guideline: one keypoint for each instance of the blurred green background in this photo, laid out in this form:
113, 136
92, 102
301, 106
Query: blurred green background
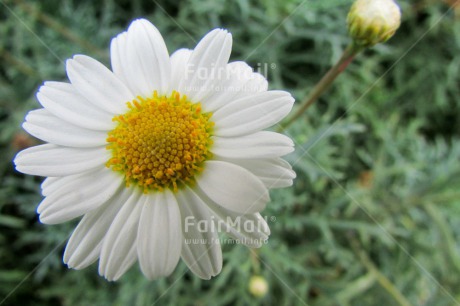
373, 217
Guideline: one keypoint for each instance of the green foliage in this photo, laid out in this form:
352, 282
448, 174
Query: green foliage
372, 218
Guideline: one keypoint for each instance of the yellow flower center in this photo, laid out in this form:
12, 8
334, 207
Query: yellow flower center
160, 142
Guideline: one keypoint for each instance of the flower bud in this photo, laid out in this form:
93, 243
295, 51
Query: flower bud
258, 286
373, 21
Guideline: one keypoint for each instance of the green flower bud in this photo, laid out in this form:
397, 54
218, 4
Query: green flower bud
258, 286
373, 21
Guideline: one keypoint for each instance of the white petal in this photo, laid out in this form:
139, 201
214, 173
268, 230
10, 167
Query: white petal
233, 187
84, 194
147, 45
85, 244
47, 127
51, 160
62, 100
118, 58
253, 113
48, 182
250, 230
118, 251
126, 67
254, 83
274, 172
253, 231
159, 236
98, 84
179, 60
56, 184
201, 249
140, 57
206, 63
262, 144
238, 81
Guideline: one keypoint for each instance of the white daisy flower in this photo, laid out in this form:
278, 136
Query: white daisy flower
149, 152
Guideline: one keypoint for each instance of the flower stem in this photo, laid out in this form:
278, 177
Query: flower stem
55, 25
384, 282
255, 260
346, 58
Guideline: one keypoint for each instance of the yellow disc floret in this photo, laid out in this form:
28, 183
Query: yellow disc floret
160, 142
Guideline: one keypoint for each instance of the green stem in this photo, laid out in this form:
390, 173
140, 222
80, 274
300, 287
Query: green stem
346, 58
255, 261
384, 282
22, 66
446, 232
60, 28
